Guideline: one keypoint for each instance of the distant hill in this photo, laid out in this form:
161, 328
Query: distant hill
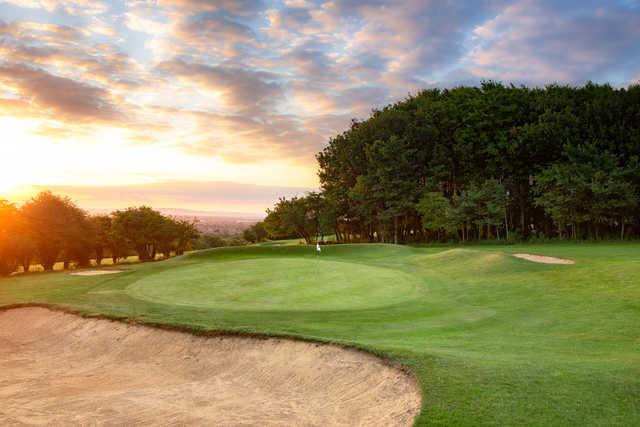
245, 216
208, 222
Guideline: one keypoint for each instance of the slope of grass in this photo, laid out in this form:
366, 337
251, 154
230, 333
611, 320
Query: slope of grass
493, 339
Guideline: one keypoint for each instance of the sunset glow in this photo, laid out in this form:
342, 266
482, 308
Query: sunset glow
148, 92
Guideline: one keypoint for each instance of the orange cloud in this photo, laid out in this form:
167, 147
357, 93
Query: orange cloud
72, 7
61, 97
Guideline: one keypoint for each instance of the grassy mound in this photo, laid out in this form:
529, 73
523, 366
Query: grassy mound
493, 339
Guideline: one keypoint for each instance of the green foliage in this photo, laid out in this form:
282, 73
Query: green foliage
186, 232
141, 228
491, 205
296, 217
590, 190
256, 233
475, 144
436, 212
149, 232
207, 241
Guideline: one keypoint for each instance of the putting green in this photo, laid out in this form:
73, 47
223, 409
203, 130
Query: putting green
278, 284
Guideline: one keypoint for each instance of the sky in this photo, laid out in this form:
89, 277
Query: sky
220, 105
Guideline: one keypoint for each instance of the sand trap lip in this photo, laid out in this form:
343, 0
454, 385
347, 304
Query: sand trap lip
95, 272
59, 368
544, 259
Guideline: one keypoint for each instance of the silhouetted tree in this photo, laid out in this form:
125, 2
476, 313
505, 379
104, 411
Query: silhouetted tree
8, 238
58, 227
102, 232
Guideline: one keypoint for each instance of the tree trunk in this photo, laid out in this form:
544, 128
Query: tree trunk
84, 261
522, 202
99, 256
395, 230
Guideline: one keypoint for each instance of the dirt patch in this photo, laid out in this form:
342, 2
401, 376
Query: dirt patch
94, 272
59, 368
544, 259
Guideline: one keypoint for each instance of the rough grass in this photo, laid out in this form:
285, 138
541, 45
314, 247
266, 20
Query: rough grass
493, 339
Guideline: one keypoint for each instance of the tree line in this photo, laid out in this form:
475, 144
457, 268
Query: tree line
472, 163
49, 229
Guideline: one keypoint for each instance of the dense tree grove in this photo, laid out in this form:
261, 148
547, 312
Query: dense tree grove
482, 162
50, 229
308, 217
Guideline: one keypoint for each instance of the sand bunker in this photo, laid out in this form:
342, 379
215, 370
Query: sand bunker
59, 368
544, 259
94, 272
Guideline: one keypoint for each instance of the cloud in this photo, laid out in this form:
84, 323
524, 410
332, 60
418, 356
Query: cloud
243, 90
243, 139
539, 42
39, 29
236, 7
291, 17
40, 33
68, 53
17, 108
73, 7
347, 53
100, 28
137, 21
204, 28
312, 62
59, 97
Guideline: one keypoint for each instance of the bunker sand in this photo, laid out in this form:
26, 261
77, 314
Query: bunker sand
544, 259
94, 272
59, 368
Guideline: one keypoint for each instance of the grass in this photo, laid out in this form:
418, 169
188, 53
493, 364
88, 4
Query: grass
492, 339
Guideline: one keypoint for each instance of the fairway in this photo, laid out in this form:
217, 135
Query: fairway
491, 338
275, 283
